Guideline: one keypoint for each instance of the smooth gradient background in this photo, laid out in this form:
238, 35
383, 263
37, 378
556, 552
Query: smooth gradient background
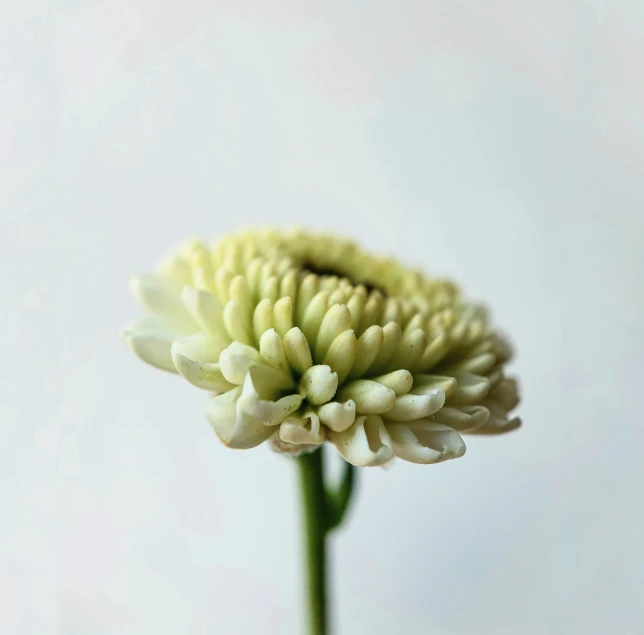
499, 143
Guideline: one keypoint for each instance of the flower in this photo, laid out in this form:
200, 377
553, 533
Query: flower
304, 338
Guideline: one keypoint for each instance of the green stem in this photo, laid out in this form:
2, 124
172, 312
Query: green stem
338, 500
315, 528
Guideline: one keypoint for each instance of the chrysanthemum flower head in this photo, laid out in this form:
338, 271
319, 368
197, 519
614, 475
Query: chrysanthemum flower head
303, 338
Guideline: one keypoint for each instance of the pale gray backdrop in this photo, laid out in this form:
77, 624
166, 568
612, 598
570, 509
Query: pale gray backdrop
501, 143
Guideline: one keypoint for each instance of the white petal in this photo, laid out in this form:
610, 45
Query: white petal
154, 325
372, 310
288, 289
313, 314
400, 381
506, 394
175, 268
435, 350
365, 443
341, 354
355, 304
187, 356
424, 384
272, 351
198, 255
269, 382
153, 349
470, 389
236, 360
240, 293
411, 407
223, 277
302, 430
480, 364
410, 349
235, 428
221, 412
318, 384
201, 347
498, 422
249, 432
425, 442
238, 323
367, 349
158, 295
337, 416
369, 396
463, 419
297, 350
391, 336
336, 320
206, 310
307, 291
283, 314
266, 410
262, 318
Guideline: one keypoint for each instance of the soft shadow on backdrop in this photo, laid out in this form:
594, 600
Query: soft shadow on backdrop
501, 145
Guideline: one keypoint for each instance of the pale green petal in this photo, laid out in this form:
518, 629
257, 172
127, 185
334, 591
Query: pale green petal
392, 334
304, 430
498, 421
425, 384
318, 384
336, 320
206, 310
262, 318
505, 394
366, 443
367, 349
234, 427
470, 389
240, 293
160, 296
272, 351
221, 412
201, 347
409, 350
270, 382
341, 354
434, 352
297, 350
238, 323
411, 407
201, 374
153, 349
337, 416
463, 419
372, 311
369, 396
356, 304
195, 359
479, 364
400, 381
425, 442
268, 411
283, 315
308, 289
154, 325
236, 360
313, 316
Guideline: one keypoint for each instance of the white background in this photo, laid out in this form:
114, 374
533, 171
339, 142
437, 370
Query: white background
499, 143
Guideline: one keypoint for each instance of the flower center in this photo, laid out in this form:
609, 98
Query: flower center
332, 272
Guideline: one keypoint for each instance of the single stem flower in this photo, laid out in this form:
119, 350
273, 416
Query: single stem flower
305, 339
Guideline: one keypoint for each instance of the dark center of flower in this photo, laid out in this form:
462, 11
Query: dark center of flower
330, 271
